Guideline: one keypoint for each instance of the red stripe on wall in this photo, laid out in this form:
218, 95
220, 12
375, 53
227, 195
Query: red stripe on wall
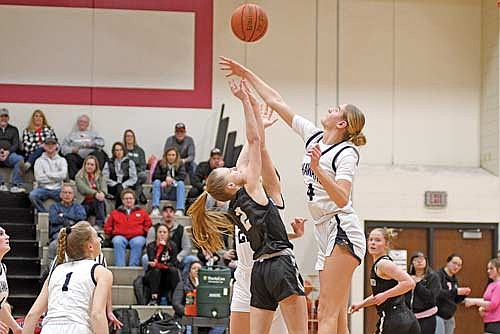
200, 97
51, 3
45, 94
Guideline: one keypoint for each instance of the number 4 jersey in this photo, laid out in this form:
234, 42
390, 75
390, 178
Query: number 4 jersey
71, 290
338, 160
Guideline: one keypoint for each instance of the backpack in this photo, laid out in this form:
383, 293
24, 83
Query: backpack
161, 323
130, 319
142, 291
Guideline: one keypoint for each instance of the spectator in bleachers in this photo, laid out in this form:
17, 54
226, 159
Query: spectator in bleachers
120, 172
199, 179
62, 214
188, 284
34, 137
137, 155
50, 172
9, 145
128, 226
185, 146
162, 275
80, 143
185, 286
178, 235
92, 190
168, 181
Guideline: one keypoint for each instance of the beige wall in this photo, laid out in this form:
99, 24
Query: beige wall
489, 98
414, 67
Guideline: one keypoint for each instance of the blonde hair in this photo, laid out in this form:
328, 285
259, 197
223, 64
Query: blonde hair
355, 123
73, 243
164, 161
389, 234
31, 125
97, 171
209, 226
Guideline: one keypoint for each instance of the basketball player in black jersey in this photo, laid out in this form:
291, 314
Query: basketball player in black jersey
275, 277
389, 284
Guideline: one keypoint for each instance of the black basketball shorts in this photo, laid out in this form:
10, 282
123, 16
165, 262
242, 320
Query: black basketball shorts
273, 280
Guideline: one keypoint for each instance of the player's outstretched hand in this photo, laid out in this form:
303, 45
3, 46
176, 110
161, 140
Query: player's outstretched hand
233, 67
114, 320
298, 226
238, 90
354, 308
267, 115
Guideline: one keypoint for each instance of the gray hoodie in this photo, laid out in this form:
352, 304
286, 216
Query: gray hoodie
50, 173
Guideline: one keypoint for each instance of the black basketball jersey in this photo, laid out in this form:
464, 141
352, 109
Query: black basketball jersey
261, 224
379, 285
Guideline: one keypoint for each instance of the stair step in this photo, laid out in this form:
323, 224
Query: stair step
146, 311
21, 303
20, 231
22, 265
123, 294
24, 284
17, 215
125, 275
9, 200
24, 248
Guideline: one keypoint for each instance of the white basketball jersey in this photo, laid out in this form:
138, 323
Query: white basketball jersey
4, 287
71, 292
338, 160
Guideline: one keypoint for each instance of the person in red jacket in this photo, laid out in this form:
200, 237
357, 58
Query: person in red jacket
128, 225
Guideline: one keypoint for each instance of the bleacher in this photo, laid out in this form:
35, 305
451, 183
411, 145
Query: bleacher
29, 244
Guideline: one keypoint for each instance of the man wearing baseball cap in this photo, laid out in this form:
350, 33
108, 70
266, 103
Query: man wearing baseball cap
9, 145
185, 146
50, 172
202, 171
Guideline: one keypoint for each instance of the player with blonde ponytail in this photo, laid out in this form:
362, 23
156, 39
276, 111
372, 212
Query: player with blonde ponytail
76, 292
328, 168
254, 210
389, 284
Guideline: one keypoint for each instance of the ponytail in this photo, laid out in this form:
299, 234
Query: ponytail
208, 226
61, 246
355, 123
358, 139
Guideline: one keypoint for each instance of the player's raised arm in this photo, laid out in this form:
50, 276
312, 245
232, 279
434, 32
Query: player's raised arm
270, 96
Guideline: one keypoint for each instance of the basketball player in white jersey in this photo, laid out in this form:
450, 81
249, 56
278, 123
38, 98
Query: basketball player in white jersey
328, 169
6, 319
75, 294
240, 301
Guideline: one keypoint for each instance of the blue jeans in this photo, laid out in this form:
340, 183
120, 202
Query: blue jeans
39, 195
120, 245
13, 161
170, 193
37, 153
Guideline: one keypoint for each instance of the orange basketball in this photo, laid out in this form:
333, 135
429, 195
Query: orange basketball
249, 22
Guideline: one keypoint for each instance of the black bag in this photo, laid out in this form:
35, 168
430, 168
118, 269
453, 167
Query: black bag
130, 319
142, 291
161, 323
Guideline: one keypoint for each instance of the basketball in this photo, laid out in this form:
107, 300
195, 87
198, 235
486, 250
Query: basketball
249, 22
